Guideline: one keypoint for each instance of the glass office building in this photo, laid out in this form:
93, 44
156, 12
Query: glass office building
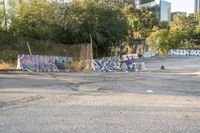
161, 8
165, 11
196, 6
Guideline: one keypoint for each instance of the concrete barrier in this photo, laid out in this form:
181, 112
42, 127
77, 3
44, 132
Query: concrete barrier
42, 62
180, 52
108, 64
149, 54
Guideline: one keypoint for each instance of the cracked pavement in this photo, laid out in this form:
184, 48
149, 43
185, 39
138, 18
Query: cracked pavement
116, 102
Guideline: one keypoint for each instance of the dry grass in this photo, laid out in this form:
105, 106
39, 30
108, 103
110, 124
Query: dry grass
78, 66
75, 66
4, 65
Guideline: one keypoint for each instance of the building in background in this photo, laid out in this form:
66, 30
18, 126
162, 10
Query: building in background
176, 13
196, 6
161, 8
117, 1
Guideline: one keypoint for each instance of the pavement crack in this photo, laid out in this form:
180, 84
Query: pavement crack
6, 105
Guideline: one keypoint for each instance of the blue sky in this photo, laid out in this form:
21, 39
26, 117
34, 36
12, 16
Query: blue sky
182, 5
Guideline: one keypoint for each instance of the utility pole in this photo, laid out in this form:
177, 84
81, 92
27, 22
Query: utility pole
5, 15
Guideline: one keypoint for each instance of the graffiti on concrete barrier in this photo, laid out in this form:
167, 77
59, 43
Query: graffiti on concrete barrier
42, 62
117, 63
149, 54
184, 52
45, 63
61, 62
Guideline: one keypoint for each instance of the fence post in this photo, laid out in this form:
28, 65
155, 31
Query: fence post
91, 52
29, 49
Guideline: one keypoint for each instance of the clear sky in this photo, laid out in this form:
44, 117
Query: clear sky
182, 5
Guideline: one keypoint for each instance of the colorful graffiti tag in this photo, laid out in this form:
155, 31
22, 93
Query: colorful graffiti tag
181, 52
118, 63
45, 63
149, 54
42, 62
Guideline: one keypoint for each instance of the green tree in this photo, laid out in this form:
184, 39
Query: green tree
185, 24
164, 25
70, 23
161, 41
141, 23
181, 32
2, 14
158, 40
34, 19
107, 24
196, 35
1, 19
197, 18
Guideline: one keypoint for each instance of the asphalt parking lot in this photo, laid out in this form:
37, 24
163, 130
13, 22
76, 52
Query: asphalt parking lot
153, 101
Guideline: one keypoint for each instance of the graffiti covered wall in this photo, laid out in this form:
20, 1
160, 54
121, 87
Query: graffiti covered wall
45, 63
149, 54
185, 52
117, 63
42, 62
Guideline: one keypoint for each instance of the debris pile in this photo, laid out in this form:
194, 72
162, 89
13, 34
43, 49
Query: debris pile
118, 63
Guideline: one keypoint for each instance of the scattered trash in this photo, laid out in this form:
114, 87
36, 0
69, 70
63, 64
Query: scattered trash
149, 91
105, 89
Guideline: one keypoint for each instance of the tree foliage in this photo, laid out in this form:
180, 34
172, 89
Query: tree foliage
182, 23
163, 40
164, 25
108, 24
35, 19
141, 22
70, 22
2, 13
181, 33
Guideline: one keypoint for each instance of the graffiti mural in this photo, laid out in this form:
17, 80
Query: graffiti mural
149, 54
118, 63
42, 63
185, 52
61, 62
